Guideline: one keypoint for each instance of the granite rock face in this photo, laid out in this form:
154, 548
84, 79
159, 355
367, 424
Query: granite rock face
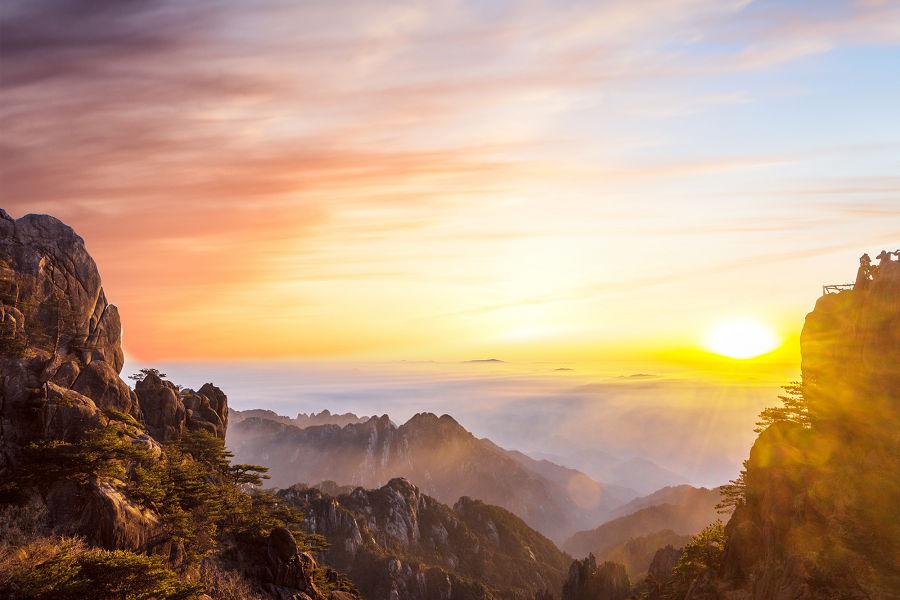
850, 347
51, 293
60, 340
398, 543
278, 567
820, 513
589, 581
169, 411
60, 359
659, 574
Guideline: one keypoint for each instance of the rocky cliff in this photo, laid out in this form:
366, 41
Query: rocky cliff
397, 543
589, 581
435, 453
818, 517
143, 473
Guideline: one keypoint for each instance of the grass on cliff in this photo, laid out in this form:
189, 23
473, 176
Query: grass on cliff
36, 564
59, 568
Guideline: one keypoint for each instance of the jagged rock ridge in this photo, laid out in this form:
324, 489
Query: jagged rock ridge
302, 420
398, 543
435, 453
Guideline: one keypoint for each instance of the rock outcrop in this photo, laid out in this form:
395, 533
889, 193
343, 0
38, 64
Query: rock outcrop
588, 581
397, 543
60, 359
278, 566
659, 573
60, 340
169, 411
819, 518
850, 348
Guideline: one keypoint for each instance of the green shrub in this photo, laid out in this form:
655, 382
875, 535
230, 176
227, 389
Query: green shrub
702, 555
101, 454
64, 569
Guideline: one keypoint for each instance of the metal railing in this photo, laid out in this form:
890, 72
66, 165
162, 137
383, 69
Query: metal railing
836, 289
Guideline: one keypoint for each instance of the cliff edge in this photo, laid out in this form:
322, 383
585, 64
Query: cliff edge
104, 489
818, 517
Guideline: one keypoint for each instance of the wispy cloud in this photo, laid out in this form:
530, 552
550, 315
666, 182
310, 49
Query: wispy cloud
326, 174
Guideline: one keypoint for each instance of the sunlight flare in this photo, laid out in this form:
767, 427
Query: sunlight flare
741, 339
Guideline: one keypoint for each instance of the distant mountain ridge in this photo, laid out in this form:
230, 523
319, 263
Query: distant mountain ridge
439, 456
675, 494
302, 420
684, 510
637, 473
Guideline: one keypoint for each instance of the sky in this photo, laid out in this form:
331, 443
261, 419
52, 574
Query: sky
594, 185
454, 179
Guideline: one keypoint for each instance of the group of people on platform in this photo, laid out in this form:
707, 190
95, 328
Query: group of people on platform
867, 271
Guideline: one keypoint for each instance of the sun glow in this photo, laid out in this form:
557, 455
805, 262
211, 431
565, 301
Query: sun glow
741, 339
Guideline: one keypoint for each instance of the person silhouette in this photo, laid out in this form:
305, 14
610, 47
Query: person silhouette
864, 274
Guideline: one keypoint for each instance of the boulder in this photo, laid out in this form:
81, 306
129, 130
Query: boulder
97, 380
51, 295
168, 411
276, 566
101, 514
163, 412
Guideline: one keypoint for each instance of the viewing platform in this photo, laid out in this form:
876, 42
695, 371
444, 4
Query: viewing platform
887, 269
836, 289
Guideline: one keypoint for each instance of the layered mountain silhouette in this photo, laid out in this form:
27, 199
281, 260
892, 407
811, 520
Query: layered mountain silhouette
636, 473
325, 417
683, 510
439, 456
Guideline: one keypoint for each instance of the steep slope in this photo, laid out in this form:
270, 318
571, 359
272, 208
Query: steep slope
583, 490
140, 477
637, 553
818, 514
398, 543
589, 581
698, 511
435, 453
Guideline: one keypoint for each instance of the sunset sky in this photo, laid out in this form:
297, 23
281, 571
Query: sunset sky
578, 182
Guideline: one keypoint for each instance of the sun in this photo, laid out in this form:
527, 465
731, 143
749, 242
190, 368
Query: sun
741, 338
